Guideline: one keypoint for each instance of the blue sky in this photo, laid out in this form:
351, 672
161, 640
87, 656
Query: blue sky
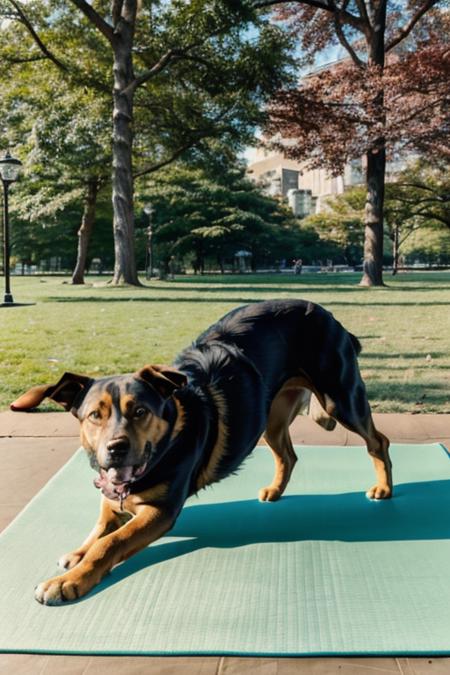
327, 56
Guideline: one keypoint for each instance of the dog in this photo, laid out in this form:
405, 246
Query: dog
165, 432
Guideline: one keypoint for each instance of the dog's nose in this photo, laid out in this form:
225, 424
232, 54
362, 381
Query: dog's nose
118, 447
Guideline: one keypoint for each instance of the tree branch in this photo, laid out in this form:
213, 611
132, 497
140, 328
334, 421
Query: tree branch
326, 5
95, 18
430, 201
363, 11
28, 25
154, 70
173, 54
169, 56
26, 59
405, 31
415, 113
420, 186
165, 162
260, 4
411, 231
434, 216
341, 36
199, 136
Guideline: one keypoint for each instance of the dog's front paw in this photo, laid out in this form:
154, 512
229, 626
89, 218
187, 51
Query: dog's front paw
269, 494
379, 492
69, 560
56, 591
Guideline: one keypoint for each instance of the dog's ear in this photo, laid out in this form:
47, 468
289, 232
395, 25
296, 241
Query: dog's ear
65, 392
164, 379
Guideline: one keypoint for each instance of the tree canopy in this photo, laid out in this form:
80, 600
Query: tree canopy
389, 93
204, 215
170, 75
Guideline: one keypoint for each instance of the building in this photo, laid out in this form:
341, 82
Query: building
306, 190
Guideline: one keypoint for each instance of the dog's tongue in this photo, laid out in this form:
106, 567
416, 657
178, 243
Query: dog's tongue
114, 482
122, 475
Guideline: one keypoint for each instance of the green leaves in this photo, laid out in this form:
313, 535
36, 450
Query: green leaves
216, 217
194, 71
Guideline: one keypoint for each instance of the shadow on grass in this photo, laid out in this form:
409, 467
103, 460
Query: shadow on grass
417, 512
274, 278
282, 288
320, 279
407, 366
299, 288
366, 302
401, 355
411, 393
124, 299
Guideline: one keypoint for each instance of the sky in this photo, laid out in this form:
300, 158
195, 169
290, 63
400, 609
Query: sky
327, 56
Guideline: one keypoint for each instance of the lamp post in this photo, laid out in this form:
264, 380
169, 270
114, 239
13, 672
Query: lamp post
149, 210
9, 172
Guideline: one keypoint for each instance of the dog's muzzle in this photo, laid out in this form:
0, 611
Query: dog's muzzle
115, 482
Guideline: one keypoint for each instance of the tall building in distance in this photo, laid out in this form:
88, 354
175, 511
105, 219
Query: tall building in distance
306, 190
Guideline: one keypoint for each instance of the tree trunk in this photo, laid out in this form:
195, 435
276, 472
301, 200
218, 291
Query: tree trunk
395, 250
84, 233
373, 234
122, 143
376, 161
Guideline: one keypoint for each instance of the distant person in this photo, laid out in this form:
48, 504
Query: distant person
298, 265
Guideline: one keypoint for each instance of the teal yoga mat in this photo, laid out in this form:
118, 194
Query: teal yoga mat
324, 571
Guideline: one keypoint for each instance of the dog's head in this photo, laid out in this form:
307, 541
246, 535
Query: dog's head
125, 420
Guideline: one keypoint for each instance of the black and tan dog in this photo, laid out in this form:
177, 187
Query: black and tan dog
165, 432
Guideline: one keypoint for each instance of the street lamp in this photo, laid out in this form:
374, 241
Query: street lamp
9, 172
149, 210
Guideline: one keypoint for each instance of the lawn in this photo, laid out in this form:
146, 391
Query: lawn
98, 330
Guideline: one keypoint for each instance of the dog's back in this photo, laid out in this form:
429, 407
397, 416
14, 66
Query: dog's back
285, 337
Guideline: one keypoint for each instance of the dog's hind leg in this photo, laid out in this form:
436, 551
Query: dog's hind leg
378, 447
351, 408
285, 406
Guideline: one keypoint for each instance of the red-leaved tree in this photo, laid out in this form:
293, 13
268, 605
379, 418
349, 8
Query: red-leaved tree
389, 94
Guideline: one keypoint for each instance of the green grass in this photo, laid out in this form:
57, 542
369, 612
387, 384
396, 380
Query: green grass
98, 330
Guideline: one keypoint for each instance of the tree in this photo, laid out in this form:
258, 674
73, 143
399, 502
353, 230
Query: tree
58, 124
165, 38
54, 237
418, 199
340, 227
427, 246
391, 91
64, 136
166, 106
207, 213
71, 128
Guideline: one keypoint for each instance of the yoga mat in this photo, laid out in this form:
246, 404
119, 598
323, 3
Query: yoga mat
323, 571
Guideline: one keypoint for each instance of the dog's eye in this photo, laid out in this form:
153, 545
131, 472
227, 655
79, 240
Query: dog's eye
94, 415
140, 412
